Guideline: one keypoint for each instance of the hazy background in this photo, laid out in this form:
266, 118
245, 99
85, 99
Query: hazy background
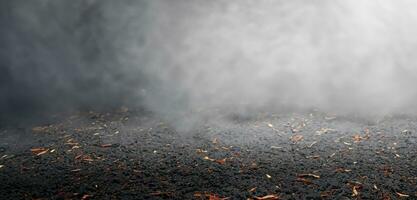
234, 56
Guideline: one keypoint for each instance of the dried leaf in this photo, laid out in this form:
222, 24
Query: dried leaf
39, 151
216, 197
208, 158
313, 157
201, 151
268, 197
325, 131
305, 181
85, 197
311, 145
221, 161
296, 138
198, 194
354, 191
215, 141
40, 129
402, 195
210, 196
87, 158
340, 169
357, 138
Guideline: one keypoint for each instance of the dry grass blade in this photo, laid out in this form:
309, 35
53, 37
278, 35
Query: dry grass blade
268, 197
308, 175
39, 151
402, 194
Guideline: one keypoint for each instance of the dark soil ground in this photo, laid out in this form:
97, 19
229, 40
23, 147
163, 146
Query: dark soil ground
131, 155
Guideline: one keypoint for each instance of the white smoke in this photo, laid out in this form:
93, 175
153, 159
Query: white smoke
341, 56
230, 55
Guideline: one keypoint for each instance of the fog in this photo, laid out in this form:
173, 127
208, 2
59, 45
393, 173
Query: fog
231, 56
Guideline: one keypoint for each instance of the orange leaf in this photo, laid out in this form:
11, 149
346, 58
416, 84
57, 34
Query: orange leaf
222, 161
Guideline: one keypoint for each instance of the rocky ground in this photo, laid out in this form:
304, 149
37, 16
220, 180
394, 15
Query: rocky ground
135, 155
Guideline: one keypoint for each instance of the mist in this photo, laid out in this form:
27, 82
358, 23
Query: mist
228, 56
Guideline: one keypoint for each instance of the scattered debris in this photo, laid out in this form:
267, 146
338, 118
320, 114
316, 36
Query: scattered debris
252, 189
106, 145
268, 176
1, 166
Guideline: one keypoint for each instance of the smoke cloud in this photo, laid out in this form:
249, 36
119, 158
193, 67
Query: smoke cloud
179, 56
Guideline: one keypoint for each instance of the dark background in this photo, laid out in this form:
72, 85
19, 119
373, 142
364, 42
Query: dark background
60, 55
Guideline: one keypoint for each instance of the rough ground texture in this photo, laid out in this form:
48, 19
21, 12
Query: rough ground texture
131, 155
